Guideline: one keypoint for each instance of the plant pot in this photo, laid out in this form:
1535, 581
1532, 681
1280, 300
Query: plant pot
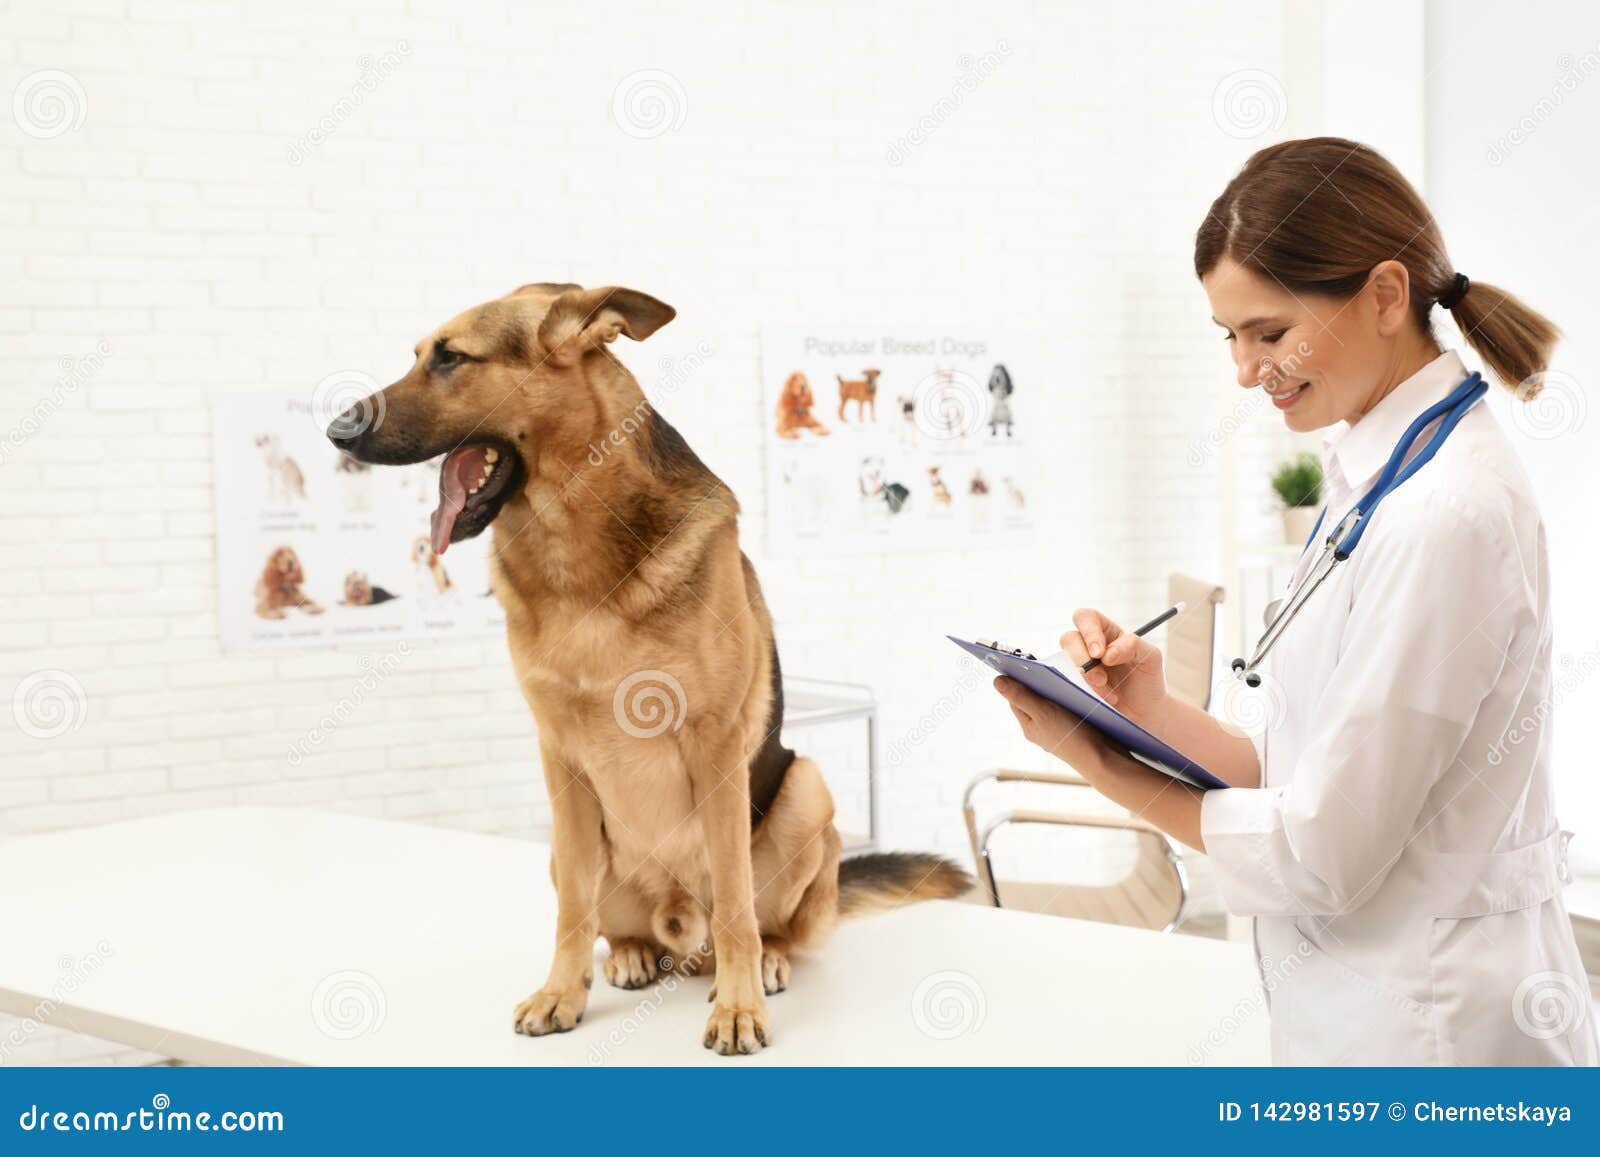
1298, 522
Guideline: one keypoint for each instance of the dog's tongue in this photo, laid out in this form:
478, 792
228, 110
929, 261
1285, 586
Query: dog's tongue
457, 472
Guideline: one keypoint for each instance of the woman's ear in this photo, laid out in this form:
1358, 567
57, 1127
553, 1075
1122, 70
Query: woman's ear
581, 320
1390, 283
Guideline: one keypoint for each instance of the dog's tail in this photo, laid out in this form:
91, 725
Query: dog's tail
884, 880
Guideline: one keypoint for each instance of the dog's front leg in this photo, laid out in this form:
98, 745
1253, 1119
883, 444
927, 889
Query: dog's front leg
738, 1022
575, 838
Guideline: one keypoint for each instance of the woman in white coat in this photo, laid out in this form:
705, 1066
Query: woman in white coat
1393, 830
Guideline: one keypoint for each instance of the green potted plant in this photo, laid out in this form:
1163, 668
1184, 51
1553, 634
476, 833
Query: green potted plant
1298, 483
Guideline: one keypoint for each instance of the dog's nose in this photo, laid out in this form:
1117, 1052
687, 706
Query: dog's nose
346, 430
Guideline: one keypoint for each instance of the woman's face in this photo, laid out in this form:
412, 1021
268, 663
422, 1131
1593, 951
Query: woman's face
1319, 359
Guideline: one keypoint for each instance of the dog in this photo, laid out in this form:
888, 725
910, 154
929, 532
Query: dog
906, 428
285, 480
863, 392
1014, 493
794, 408
1000, 389
358, 592
278, 588
433, 581
681, 826
941, 492
357, 484
875, 490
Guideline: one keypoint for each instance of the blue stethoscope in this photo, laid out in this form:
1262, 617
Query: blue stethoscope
1345, 537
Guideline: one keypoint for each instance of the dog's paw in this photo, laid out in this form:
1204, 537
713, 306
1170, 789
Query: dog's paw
635, 963
774, 966
551, 1010
734, 1030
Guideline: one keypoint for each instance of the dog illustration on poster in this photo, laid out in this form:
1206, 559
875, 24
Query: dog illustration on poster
794, 408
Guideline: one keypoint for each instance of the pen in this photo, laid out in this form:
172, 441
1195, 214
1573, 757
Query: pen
1144, 630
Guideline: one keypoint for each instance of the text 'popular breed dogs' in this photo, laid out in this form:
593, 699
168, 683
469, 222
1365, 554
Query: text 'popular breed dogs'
691, 834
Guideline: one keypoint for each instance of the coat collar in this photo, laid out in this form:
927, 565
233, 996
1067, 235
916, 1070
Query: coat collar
1360, 451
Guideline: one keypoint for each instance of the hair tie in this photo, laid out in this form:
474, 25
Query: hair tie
1451, 297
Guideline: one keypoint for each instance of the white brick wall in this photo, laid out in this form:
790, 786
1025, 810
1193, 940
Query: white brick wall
171, 225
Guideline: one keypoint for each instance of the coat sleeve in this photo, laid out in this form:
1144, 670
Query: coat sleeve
1435, 603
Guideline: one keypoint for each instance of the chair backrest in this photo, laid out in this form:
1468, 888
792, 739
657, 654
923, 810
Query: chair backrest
1148, 887
1190, 638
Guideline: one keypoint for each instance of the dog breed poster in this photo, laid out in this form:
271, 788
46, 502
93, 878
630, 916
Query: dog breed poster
314, 547
895, 437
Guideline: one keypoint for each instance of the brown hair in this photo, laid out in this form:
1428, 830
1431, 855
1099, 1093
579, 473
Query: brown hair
1317, 214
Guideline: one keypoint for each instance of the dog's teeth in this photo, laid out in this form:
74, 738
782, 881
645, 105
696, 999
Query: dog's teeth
488, 470
492, 455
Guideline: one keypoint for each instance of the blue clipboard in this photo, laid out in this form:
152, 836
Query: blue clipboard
1046, 681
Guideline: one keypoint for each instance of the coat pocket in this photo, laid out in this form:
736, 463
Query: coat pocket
1327, 1013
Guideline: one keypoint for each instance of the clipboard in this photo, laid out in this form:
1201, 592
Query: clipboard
1044, 680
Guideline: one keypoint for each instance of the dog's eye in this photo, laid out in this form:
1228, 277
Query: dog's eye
445, 358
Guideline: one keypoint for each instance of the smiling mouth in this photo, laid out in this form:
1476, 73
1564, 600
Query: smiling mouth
1284, 398
475, 480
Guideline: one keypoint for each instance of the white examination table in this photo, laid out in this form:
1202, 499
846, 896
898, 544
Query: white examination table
266, 936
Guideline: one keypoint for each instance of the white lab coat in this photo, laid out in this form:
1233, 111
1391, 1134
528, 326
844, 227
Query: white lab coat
1402, 858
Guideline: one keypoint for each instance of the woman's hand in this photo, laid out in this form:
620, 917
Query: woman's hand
1129, 676
1058, 731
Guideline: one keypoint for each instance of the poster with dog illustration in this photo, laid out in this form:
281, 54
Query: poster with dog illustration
314, 547
882, 438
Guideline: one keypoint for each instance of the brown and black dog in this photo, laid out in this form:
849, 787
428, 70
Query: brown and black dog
681, 826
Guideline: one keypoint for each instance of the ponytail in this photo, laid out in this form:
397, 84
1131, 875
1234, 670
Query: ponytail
1316, 215
1514, 340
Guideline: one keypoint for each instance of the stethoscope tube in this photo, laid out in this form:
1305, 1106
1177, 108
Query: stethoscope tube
1344, 539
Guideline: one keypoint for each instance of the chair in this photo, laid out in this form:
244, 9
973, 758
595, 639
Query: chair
1151, 894
1154, 890
1190, 639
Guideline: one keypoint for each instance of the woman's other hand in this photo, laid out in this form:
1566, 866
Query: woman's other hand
1129, 676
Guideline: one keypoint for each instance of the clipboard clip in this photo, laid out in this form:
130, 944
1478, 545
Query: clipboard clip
997, 645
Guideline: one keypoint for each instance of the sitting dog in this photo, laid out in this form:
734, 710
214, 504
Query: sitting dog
278, 588
863, 392
680, 824
1000, 390
285, 480
794, 408
941, 492
433, 581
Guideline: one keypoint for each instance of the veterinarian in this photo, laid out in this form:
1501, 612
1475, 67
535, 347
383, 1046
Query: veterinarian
1393, 830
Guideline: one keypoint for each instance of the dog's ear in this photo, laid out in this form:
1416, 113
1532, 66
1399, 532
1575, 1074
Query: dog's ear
581, 320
